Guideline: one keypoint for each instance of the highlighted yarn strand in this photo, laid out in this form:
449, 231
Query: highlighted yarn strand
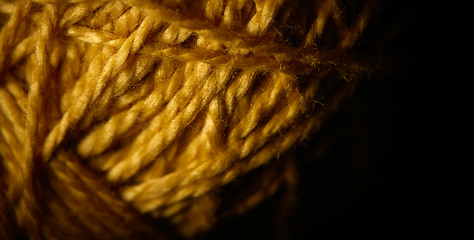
111, 68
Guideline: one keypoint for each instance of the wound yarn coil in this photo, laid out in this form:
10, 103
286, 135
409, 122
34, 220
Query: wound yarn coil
117, 114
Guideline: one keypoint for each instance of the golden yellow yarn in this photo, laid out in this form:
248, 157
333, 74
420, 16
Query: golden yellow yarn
112, 112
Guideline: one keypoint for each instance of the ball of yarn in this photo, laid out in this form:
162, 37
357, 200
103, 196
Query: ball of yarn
123, 119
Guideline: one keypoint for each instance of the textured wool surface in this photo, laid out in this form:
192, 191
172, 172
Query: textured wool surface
125, 118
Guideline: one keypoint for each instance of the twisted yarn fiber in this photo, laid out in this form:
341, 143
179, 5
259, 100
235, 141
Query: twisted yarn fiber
116, 114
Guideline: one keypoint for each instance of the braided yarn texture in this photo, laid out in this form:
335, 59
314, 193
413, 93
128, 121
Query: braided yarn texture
123, 119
